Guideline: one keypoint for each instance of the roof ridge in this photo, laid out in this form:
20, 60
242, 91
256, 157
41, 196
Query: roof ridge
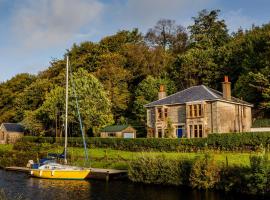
172, 94
209, 90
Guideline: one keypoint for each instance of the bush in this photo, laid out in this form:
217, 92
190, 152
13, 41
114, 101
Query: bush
225, 142
256, 179
204, 173
159, 170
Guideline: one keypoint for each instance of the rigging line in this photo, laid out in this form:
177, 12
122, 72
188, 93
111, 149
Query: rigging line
79, 115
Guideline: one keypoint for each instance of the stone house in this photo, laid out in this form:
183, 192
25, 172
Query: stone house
118, 131
196, 112
10, 133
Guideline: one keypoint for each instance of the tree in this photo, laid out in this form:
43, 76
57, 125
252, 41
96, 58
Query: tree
195, 67
94, 105
32, 123
146, 92
208, 30
32, 97
8, 93
168, 35
115, 81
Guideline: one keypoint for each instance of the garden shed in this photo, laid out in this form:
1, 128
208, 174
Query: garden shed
118, 131
10, 132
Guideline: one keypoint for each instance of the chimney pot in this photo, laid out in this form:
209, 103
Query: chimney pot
226, 79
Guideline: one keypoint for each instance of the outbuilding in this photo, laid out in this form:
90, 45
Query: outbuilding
118, 131
10, 133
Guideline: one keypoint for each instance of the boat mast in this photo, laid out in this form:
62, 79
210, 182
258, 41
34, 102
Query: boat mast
66, 117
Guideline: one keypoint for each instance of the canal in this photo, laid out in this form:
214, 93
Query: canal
21, 186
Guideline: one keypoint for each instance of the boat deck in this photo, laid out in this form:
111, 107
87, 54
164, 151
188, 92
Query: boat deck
96, 173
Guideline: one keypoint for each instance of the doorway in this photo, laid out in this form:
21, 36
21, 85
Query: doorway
179, 131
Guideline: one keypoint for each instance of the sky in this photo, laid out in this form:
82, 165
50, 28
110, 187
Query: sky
34, 32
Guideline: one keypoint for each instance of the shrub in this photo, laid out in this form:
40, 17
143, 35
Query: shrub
204, 173
227, 142
159, 170
256, 179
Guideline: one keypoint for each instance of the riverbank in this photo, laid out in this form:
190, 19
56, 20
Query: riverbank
219, 170
118, 159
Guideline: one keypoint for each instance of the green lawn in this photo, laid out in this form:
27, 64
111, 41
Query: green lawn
109, 158
119, 159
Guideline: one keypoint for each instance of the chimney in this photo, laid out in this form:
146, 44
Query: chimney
226, 86
161, 93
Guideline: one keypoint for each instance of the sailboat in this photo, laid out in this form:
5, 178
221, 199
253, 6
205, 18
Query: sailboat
54, 170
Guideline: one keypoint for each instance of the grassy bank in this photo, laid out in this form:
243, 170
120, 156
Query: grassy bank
101, 157
229, 171
118, 159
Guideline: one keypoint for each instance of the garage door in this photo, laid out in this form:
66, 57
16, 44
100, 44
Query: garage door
128, 135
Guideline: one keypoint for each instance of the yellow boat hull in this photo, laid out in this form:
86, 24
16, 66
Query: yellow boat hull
60, 174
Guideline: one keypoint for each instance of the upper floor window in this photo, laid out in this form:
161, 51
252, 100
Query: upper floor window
166, 113
159, 110
195, 110
162, 113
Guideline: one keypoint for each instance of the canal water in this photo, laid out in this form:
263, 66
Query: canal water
23, 187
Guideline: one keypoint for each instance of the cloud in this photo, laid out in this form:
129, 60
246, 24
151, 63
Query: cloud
48, 23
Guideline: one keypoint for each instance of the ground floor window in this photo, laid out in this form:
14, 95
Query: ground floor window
111, 134
160, 133
196, 131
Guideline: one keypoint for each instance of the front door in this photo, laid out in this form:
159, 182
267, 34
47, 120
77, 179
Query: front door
179, 131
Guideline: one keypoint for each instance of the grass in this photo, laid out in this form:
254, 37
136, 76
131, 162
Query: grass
116, 159
109, 158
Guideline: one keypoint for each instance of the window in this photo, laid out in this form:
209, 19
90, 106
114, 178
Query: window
190, 131
160, 133
195, 113
165, 113
195, 110
190, 110
200, 131
199, 110
159, 113
111, 134
195, 131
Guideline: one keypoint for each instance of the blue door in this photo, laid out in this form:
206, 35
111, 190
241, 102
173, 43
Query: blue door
179, 132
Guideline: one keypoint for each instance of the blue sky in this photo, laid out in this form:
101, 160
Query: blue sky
33, 32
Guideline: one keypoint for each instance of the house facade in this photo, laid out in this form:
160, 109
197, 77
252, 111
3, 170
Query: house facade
10, 133
118, 131
197, 112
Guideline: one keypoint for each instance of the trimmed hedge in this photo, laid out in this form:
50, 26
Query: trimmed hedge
225, 142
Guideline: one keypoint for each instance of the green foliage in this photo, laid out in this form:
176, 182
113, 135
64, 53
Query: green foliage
257, 178
146, 92
130, 66
208, 30
159, 170
170, 129
226, 142
95, 107
204, 173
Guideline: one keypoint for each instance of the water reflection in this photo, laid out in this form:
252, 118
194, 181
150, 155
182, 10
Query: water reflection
32, 188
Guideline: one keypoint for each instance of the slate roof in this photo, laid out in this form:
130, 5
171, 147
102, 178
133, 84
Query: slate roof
195, 93
115, 128
13, 127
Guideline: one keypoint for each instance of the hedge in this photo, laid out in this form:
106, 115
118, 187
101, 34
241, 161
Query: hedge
204, 173
250, 141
